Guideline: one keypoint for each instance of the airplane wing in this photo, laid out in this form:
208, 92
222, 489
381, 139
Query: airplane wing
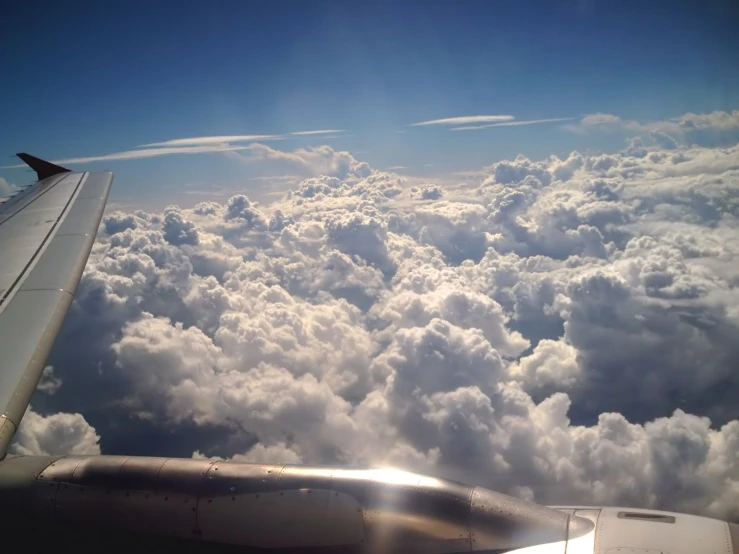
46, 233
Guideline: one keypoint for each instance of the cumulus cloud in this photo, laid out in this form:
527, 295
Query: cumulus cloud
713, 129
561, 329
55, 434
318, 161
259, 454
427, 192
49, 383
177, 229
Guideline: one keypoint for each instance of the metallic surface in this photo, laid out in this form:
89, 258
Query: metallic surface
46, 234
734, 537
287, 519
581, 544
584, 544
277, 506
688, 535
26, 230
646, 516
516, 522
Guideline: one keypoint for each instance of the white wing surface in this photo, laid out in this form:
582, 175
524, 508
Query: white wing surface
46, 233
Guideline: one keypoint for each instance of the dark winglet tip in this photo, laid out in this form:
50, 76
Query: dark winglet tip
43, 169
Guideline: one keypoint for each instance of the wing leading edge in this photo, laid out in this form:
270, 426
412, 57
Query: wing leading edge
46, 234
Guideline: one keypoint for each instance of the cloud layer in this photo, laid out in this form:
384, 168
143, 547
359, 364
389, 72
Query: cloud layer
712, 129
563, 329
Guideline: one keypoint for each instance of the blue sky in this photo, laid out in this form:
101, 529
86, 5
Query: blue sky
85, 79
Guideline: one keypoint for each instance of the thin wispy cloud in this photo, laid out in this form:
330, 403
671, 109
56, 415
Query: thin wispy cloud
196, 145
222, 139
464, 120
227, 139
512, 123
319, 132
327, 137
143, 153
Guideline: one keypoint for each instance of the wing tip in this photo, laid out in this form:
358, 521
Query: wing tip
42, 168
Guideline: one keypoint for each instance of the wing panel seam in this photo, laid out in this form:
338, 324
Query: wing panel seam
24, 206
13, 289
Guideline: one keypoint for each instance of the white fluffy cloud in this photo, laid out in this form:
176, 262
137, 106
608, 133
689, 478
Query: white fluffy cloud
49, 383
55, 434
563, 329
712, 129
321, 160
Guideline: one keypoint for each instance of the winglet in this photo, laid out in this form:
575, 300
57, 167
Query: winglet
42, 168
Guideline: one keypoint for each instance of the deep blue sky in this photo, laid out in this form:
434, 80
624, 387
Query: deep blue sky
89, 78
